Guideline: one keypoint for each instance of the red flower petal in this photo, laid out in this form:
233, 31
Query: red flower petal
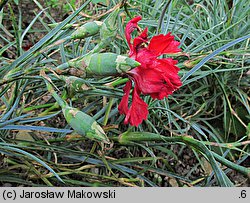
144, 57
155, 77
141, 38
138, 110
147, 80
163, 44
168, 63
135, 19
159, 79
123, 106
130, 27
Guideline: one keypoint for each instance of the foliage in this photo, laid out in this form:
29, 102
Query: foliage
66, 6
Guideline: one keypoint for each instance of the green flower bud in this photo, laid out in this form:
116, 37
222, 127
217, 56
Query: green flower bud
109, 26
75, 84
84, 124
86, 30
81, 122
108, 31
103, 64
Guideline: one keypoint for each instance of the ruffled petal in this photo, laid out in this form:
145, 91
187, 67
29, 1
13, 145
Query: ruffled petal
155, 77
130, 27
159, 79
163, 44
143, 37
171, 81
138, 110
170, 70
123, 106
167, 65
144, 57
147, 80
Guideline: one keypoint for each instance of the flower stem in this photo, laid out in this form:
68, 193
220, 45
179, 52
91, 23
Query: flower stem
129, 138
106, 117
119, 81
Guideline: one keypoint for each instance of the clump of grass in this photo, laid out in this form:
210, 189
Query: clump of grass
199, 136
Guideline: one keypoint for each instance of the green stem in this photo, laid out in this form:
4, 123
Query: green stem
100, 46
54, 106
232, 165
37, 107
129, 138
62, 66
232, 145
51, 90
119, 82
106, 117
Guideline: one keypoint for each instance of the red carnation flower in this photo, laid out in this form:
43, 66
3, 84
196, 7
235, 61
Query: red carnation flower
155, 77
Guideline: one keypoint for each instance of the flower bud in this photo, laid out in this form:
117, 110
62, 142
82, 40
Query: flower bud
84, 124
75, 84
109, 26
81, 122
103, 64
86, 30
